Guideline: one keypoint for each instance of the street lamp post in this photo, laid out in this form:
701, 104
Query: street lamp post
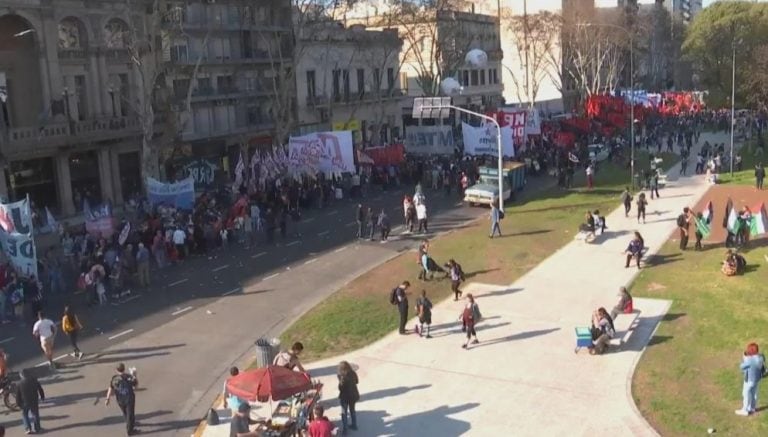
631, 90
733, 99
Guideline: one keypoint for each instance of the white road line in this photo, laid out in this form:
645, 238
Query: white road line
225, 266
232, 291
340, 249
45, 363
180, 281
134, 297
258, 254
126, 332
183, 310
332, 213
310, 261
351, 224
309, 220
324, 233
7, 340
270, 276
293, 243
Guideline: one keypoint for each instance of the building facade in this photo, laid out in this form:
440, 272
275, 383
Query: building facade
69, 129
348, 78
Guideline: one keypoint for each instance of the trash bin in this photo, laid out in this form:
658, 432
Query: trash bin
266, 351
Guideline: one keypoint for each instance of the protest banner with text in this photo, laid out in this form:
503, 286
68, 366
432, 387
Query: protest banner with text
327, 152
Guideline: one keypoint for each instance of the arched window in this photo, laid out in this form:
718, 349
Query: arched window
71, 34
116, 34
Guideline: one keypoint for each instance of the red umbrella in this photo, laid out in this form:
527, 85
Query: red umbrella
275, 382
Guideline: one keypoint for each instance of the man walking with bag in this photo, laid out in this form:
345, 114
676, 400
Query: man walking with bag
496, 215
123, 386
399, 297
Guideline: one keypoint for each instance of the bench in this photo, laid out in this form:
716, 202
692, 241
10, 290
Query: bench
624, 330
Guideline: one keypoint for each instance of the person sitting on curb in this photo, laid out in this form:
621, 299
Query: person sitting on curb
625, 304
635, 250
602, 331
588, 227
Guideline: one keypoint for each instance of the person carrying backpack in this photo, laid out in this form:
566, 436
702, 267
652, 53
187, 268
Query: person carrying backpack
457, 277
122, 386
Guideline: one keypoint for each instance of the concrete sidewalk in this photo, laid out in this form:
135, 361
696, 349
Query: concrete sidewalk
524, 377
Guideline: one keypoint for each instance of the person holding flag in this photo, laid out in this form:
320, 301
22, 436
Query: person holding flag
731, 224
759, 223
703, 225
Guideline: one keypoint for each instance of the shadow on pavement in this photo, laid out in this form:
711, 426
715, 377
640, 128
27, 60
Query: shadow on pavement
456, 324
437, 421
390, 392
513, 337
478, 272
111, 419
608, 235
503, 292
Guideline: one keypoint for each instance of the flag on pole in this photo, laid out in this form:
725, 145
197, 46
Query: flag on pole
702, 227
758, 225
708, 213
731, 218
239, 171
50, 220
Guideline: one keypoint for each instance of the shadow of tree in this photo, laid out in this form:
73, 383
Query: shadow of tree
438, 421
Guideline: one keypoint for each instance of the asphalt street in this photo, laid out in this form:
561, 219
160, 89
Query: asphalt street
196, 320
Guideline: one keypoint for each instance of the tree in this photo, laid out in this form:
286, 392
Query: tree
596, 58
757, 79
709, 45
536, 40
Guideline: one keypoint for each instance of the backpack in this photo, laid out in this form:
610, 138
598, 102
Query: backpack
681, 221
393, 296
460, 271
501, 214
122, 385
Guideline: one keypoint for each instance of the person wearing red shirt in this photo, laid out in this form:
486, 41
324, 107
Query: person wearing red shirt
320, 425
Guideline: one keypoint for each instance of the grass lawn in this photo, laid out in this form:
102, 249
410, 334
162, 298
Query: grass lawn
750, 158
536, 226
688, 379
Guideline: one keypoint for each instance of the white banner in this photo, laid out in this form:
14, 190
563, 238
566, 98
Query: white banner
16, 236
533, 123
178, 194
482, 140
328, 152
429, 140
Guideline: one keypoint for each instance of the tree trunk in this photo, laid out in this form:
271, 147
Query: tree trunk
150, 167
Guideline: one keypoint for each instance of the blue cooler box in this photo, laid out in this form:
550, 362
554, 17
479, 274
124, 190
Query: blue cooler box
583, 338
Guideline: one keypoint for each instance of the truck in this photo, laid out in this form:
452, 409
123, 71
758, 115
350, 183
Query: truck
486, 190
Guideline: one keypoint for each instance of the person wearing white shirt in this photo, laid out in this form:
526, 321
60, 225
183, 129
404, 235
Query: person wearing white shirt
421, 216
45, 330
179, 238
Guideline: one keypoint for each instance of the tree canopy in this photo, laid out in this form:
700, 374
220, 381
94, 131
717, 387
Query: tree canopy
709, 45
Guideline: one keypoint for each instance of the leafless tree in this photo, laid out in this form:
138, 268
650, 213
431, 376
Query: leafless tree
536, 40
596, 57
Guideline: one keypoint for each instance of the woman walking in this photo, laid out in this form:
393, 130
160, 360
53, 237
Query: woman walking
348, 396
71, 326
752, 365
641, 204
470, 316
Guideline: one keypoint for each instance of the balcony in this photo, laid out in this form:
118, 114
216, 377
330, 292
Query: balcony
117, 56
230, 92
256, 57
355, 98
259, 125
73, 56
27, 142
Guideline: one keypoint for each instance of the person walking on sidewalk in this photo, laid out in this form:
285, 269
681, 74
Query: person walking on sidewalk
590, 176
457, 276
348, 396
469, 317
655, 183
683, 225
384, 225
371, 222
360, 218
399, 297
421, 215
45, 330
495, 219
71, 326
626, 200
142, 265
29, 393
423, 250
642, 203
123, 386
424, 311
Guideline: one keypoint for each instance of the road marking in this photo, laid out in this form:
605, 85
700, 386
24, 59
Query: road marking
309, 220
45, 363
126, 332
258, 254
351, 224
180, 281
340, 249
332, 213
225, 266
7, 340
134, 297
324, 233
183, 310
292, 243
310, 261
232, 291
270, 276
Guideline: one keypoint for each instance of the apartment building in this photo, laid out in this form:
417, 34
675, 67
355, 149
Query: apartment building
348, 78
68, 91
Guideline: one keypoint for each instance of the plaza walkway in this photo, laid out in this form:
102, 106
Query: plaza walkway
524, 377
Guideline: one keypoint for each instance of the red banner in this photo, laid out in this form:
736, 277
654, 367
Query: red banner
387, 155
515, 118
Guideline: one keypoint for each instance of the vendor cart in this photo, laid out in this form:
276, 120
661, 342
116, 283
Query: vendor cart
291, 416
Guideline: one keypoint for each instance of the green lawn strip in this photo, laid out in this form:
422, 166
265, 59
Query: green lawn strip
536, 225
688, 378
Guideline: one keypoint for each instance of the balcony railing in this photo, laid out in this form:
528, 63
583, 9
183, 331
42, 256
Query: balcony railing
75, 54
354, 98
117, 55
254, 125
256, 56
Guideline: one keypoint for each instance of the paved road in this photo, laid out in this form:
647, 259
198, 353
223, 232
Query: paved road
198, 318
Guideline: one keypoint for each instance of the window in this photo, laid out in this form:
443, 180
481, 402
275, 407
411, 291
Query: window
179, 52
361, 82
224, 84
377, 79
81, 98
495, 76
204, 85
473, 78
180, 87
465, 78
390, 80
336, 85
246, 44
311, 86
347, 89
482, 77
124, 96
